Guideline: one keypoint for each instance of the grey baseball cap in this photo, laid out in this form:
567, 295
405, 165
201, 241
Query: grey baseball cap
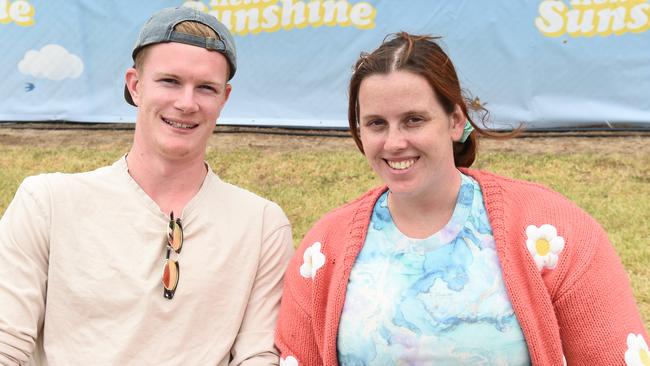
160, 29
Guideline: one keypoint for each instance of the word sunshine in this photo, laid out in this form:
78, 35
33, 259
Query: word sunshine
254, 16
20, 12
586, 18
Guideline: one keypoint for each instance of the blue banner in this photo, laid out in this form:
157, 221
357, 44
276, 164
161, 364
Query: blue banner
546, 64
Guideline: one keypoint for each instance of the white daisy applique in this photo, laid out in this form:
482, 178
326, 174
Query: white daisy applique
637, 353
544, 245
289, 361
313, 260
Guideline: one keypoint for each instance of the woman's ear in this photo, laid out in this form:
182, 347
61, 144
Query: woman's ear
457, 120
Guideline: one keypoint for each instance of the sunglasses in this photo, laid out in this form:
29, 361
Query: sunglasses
171, 269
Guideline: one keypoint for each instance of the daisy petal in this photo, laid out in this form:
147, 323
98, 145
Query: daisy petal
289, 361
641, 342
530, 244
549, 231
305, 270
557, 244
531, 232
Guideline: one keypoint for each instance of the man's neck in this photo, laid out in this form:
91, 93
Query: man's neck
169, 183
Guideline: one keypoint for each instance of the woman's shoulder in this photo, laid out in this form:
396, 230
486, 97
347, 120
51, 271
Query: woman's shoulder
318, 255
522, 213
349, 219
351, 211
524, 196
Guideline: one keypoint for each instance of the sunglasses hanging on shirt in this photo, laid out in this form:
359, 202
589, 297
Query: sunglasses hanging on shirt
171, 268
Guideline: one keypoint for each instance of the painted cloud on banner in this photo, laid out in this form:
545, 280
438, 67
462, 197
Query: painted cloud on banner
51, 62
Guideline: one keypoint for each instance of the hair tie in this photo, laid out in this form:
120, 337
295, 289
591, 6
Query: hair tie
466, 131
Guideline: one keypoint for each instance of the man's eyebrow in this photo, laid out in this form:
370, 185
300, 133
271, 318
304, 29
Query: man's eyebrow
166, 74
215, 84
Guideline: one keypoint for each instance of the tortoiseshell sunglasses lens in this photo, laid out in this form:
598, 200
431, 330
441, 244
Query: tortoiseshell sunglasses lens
171, 274
175, 234
171, 268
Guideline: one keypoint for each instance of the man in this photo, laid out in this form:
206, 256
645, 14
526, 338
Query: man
152, 260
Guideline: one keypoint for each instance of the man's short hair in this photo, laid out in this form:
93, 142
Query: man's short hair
184, 25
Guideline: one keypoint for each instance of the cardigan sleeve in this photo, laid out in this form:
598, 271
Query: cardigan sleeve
597, 315
296, 336
24, 255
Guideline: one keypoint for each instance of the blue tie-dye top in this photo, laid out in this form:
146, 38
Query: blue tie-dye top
439, 300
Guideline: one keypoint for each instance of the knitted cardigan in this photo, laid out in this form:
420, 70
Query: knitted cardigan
580, 308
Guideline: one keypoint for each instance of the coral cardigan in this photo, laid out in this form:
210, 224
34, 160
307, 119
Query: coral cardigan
580, 308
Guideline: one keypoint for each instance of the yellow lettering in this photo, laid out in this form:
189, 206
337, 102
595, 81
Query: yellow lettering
335, 11
244, 17
587, 18
639, 15
293, 14
315, 17
20, 12
611, 20
271, 17
362, 15
551, 20
580, 22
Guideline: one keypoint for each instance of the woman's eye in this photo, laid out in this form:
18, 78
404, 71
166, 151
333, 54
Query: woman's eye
375, 123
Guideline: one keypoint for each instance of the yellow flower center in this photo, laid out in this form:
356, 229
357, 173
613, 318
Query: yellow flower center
645, 357
543, 247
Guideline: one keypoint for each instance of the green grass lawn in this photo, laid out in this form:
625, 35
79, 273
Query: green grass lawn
307, 182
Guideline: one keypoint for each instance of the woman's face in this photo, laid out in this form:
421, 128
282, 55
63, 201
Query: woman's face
406, 134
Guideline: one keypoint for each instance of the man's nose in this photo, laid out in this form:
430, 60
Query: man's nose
186, 100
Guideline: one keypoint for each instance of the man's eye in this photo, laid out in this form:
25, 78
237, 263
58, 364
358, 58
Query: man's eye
168, 81
208, 88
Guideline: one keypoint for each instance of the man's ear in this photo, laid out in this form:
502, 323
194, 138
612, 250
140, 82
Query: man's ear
457, 120
131, 80
227, 90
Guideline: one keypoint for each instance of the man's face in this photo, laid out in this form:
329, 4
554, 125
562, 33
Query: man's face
179, 90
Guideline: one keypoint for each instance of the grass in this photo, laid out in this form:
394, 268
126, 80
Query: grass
613, 188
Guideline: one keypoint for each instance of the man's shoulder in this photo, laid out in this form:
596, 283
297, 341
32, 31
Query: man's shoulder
234, 193
240, 200
61, 181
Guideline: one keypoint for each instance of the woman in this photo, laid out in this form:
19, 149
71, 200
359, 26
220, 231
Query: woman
444, 264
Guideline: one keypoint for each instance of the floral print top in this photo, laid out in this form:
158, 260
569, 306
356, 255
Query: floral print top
439, 300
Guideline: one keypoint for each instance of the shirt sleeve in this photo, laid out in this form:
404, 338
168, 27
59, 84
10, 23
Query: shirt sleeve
597, 314
24, 252
254, 342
